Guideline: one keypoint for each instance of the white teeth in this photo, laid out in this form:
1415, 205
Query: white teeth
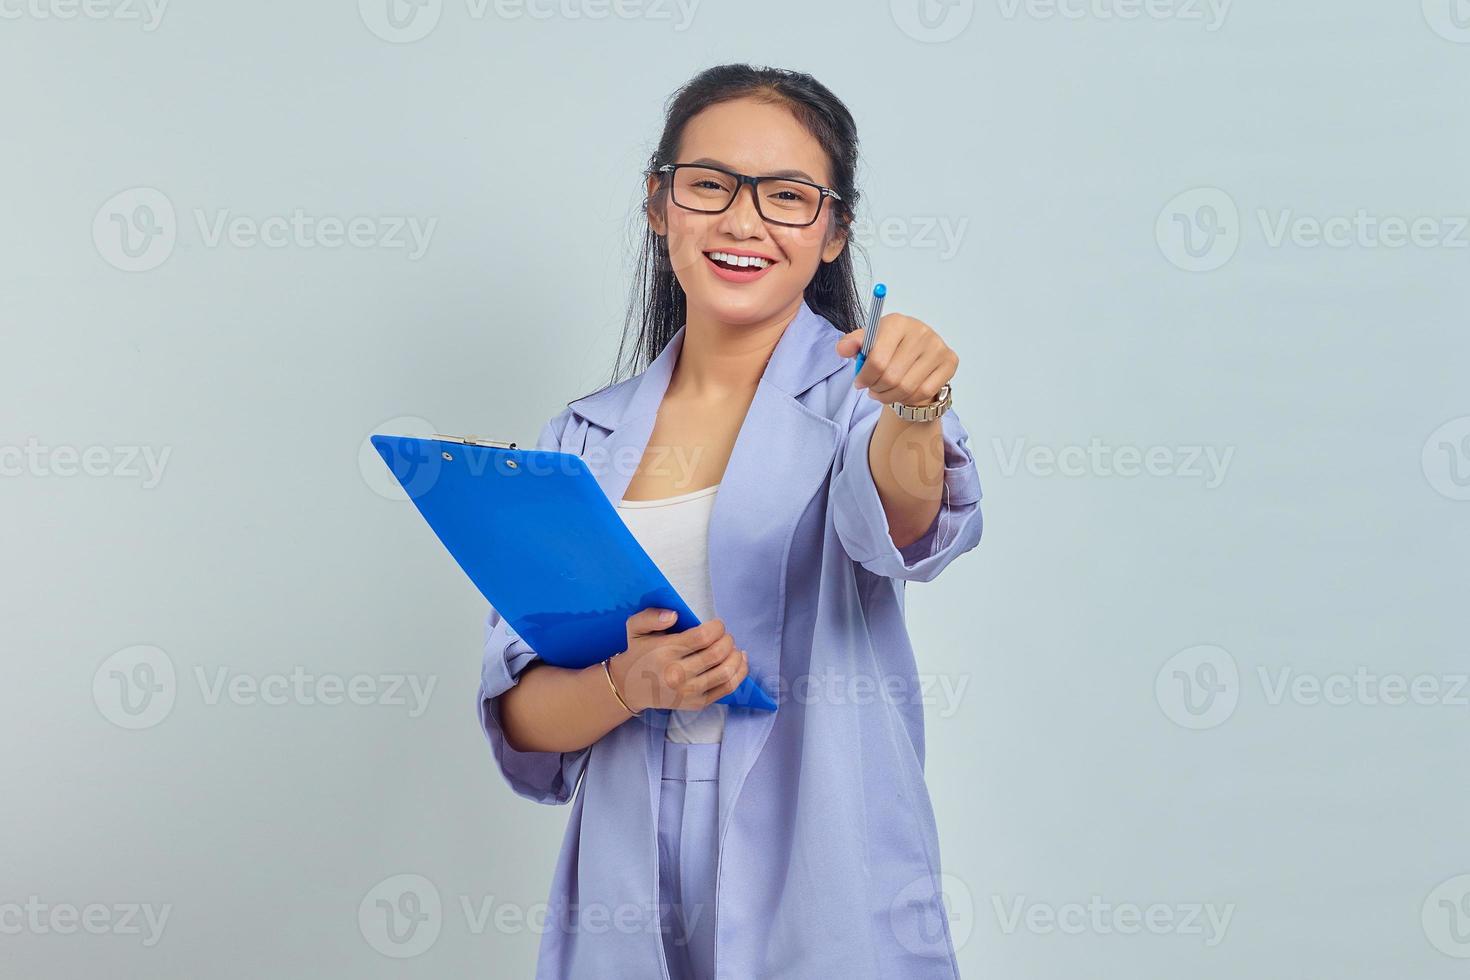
740, 260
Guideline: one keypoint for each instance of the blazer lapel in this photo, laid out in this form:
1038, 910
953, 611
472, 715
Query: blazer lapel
782, 456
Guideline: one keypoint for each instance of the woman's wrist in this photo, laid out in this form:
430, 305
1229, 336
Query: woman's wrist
616, 676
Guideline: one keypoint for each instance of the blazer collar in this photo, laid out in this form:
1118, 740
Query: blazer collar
803, 356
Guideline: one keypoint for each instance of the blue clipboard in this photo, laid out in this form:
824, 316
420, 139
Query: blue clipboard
541, 541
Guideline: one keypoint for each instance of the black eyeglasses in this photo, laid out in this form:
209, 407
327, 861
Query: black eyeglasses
779, 200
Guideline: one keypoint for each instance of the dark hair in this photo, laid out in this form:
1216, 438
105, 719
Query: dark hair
657, 304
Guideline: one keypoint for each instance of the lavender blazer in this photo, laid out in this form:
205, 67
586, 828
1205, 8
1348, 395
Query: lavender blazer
828, 856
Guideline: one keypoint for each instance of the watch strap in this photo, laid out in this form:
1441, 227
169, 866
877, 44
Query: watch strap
925, 413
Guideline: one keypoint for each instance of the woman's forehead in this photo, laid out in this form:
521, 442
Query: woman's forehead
754, 138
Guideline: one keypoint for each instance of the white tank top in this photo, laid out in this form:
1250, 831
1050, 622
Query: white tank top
675, 533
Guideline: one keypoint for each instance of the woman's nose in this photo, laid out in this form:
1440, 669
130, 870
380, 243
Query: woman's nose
743, 217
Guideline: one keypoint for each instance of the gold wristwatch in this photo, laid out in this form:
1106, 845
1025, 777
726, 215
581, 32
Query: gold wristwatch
924, 413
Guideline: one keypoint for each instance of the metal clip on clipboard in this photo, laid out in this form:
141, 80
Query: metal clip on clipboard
474, 441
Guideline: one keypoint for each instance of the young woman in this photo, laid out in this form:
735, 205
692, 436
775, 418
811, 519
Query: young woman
789, 504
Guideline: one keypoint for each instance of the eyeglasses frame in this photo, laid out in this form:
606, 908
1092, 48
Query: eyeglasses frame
754, 182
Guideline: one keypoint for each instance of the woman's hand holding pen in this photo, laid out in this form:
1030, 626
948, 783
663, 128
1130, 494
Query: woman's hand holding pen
908, 362
687, 670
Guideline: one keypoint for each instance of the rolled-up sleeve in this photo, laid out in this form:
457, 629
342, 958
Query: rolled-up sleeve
545, 777
862, 524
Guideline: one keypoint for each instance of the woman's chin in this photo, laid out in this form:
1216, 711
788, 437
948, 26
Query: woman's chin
736, 306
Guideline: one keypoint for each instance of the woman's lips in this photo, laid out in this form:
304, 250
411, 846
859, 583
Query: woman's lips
741, 275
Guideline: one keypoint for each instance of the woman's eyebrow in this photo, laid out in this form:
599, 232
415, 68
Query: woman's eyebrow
710, 162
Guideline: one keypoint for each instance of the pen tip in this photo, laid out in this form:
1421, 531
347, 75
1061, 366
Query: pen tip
880, 290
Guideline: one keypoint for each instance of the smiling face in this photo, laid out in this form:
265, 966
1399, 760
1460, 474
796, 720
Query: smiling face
756, 138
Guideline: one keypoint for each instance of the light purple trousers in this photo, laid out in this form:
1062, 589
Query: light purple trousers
688, 826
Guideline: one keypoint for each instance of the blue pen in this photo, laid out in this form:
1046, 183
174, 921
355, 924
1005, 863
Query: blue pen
871, 333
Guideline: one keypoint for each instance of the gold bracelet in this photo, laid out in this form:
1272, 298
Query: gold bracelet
608, 671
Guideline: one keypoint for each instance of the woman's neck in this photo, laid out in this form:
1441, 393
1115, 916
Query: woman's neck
721, 360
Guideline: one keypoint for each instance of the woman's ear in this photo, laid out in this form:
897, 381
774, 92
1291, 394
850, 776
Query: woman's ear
655, 219
835, 244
